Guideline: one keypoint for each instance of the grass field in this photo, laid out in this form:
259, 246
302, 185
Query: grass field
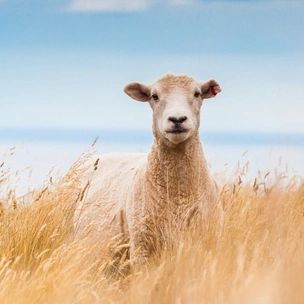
258, 256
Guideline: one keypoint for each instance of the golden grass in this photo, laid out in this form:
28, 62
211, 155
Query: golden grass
258, 256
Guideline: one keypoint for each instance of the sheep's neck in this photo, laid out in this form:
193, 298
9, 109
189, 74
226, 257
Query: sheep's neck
176, 174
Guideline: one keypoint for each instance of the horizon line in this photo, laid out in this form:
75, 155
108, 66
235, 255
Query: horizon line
135, 135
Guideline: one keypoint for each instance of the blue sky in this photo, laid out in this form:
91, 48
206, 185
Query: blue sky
63, 64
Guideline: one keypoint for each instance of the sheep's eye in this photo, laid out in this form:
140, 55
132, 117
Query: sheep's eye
155, 97
197, 94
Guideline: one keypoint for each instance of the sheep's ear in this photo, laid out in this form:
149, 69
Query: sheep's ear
210, 88
138, 91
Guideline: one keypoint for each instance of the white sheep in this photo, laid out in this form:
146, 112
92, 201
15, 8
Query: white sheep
136, 194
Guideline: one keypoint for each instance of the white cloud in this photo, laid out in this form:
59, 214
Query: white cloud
183, 2
121, 5
108, 5
139, 5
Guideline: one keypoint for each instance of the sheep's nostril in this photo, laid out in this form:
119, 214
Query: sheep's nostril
177, 120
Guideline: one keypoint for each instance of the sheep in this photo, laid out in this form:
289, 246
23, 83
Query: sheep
135, 194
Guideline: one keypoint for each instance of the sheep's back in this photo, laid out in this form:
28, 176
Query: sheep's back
107, 182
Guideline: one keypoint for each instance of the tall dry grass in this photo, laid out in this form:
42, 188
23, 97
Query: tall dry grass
258, 256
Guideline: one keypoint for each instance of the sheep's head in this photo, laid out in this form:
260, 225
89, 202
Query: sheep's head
176, 102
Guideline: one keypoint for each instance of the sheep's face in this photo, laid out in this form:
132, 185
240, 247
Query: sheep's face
176, 102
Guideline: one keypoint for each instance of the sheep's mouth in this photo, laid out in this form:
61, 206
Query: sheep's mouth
177, 131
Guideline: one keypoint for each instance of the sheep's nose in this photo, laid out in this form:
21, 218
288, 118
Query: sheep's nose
177, 120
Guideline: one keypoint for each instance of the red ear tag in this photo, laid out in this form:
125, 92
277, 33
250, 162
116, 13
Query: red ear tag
213, 91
